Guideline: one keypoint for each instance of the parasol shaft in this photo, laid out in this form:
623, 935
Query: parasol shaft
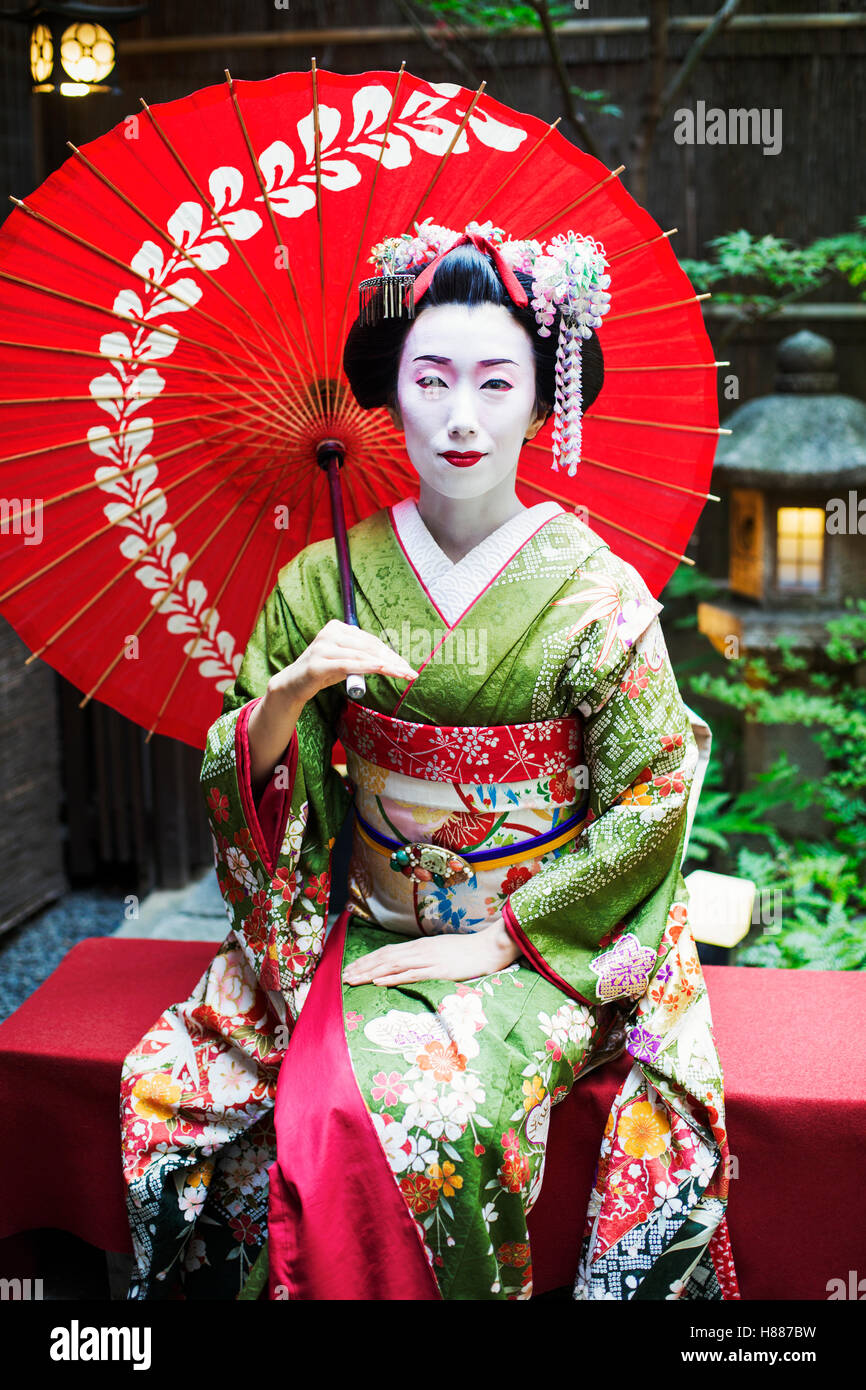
330, 454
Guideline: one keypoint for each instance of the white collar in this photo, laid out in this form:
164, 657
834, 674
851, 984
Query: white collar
454, 587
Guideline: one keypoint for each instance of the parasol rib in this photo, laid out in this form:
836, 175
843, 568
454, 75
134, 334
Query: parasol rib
212, 607
130, 270
242, 256
200, 269
93, 352
569, 207
342, 385
658, 424
657, 308
316, 489
517, 168
153, 611
312, 362
664, 366
100, 593
640, 245
447, 155
144, 399
654, 482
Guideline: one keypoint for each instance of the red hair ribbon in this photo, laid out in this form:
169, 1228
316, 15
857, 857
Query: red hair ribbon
481, 243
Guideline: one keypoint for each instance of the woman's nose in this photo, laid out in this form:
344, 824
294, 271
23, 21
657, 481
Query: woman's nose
463, 419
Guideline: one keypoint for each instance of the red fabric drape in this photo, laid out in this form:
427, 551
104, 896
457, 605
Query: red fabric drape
795, 1090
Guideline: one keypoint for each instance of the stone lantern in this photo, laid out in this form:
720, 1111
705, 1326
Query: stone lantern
791, 468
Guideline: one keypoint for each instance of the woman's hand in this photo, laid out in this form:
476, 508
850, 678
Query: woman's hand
338, 650
455, 956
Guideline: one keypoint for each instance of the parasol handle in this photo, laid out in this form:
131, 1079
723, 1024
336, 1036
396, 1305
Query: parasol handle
330, 455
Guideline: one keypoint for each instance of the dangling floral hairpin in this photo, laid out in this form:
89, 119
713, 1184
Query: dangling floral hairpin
567, 275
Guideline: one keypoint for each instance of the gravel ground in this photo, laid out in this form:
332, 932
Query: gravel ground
31, 951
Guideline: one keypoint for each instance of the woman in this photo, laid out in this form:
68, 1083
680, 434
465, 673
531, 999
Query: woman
531, 727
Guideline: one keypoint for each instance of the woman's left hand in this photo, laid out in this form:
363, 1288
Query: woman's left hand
455, 956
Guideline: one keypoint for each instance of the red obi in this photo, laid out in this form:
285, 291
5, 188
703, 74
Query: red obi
465, 753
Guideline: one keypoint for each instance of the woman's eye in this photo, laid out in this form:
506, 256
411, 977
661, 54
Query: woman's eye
498, 381
428, 381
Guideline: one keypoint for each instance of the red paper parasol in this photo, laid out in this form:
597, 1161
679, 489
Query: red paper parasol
175, 301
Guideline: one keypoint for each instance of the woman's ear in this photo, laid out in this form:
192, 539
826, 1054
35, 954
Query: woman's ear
535, 424
394, 411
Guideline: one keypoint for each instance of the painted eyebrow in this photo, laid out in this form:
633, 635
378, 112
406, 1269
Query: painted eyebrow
486, 362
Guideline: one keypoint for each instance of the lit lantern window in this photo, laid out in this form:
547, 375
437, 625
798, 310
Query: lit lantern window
41, 53
87, 52
800, 547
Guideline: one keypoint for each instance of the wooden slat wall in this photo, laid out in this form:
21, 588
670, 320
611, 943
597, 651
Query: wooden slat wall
31, 851
133, 810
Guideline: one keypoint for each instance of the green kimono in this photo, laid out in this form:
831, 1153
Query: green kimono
540, 637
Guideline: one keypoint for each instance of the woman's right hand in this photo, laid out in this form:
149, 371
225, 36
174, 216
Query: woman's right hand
338, 650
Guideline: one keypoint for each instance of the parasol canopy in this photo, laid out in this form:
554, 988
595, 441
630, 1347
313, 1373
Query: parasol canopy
174, 301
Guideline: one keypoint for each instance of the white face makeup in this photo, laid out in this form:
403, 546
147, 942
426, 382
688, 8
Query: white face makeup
466, 386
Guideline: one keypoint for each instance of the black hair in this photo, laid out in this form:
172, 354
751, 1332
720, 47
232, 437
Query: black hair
465, 275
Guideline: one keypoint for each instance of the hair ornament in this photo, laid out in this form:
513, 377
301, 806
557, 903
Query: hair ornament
567, 276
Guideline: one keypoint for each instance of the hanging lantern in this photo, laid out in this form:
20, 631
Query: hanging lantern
71, 51
41, 55
86, 55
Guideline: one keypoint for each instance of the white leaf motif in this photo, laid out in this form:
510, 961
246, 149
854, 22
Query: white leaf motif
430, 131
157, 345
277, 164
149, 260
242, 224
185, 224
116, 346
226, 185
210, 256
98, 437
133, 546
151, 577
184, 293
370, 107
128, 303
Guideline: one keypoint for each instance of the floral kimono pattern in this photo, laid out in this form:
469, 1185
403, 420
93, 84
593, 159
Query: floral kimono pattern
431, 1114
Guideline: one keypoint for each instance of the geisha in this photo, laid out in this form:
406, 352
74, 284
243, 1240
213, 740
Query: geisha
361, 1111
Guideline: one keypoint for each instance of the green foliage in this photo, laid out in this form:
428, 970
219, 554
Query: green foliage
790, 271
598, 99
687, 587
807, 893
501, 19
817, 887
496, 18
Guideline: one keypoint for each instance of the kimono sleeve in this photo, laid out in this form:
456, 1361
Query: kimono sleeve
273, 858
591, 920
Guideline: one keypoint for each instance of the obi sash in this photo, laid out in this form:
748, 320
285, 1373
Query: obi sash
463, 813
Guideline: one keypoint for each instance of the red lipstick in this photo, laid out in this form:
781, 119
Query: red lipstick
463, 460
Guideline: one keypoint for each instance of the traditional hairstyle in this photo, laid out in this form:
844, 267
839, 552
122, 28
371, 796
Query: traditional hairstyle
465, 275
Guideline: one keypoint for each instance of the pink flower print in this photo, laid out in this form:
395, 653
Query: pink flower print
388, 1088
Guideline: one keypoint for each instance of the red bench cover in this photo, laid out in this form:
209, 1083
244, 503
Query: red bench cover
791, 1044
